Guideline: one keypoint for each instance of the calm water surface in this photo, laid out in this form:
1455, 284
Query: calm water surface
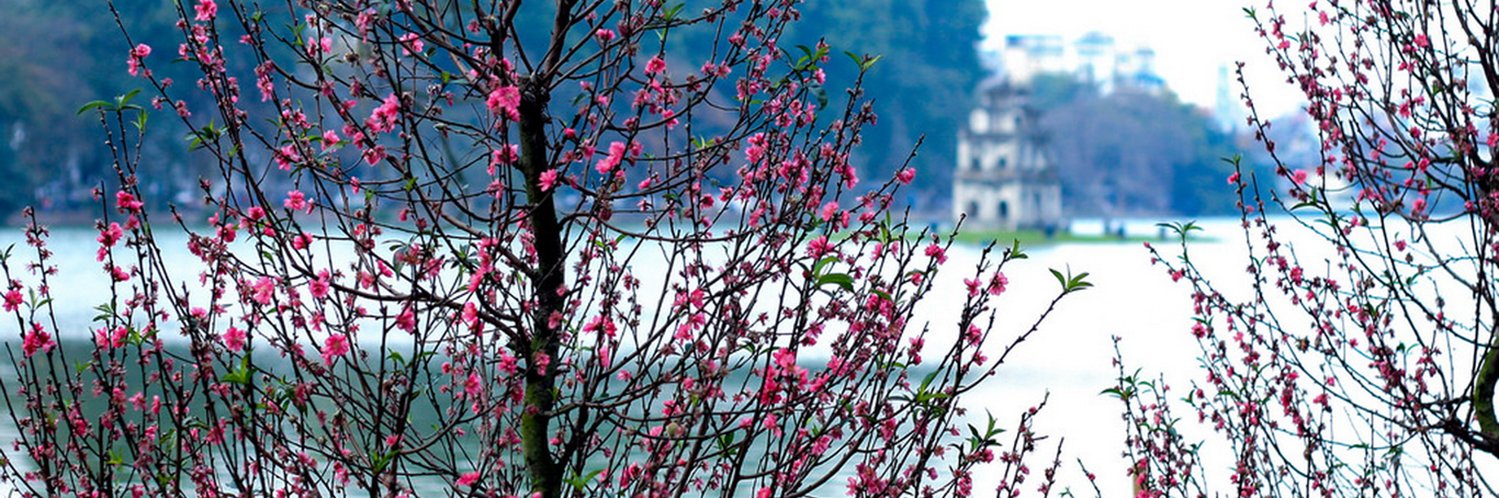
1070, 357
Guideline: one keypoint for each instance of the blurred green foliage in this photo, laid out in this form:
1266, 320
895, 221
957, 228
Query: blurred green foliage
1135, 152
58, 55
923, 84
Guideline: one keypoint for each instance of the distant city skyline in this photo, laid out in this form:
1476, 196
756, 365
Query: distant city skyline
1192, 40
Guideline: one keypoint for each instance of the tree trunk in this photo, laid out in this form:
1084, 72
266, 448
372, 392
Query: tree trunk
550, 276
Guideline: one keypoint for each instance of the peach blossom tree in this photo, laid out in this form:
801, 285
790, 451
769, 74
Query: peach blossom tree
1359, 356
506, 248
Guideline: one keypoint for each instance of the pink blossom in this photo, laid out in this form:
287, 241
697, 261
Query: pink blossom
13, 300
1299, 177
137, 55
548, 180
473, 385
604, 36
383, 118
206, 10
611, 161
411, 43
317, 47
365, 20
127, 202
263, 81
936, 252
330, 139
319, 287
334, 346
286, 156
693, 322
111, 338
264, 289
655, 65
819, 247
998, 283
108, 237
406, 320
470, 315
601, 325
374, 155
234, 339
297, 201
468, 479
504, 101
505, 155
828, 210
906, 175
542, 361
36, 340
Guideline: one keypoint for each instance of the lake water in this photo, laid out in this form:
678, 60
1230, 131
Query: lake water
1070, 357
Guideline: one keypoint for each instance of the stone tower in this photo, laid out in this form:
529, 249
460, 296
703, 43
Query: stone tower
1005, 179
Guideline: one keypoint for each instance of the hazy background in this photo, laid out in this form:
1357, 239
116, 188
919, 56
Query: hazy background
58, 55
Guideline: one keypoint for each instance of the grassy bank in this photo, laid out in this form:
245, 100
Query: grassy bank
1035, 238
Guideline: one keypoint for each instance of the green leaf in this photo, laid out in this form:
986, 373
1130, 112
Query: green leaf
92, 105
927, 381
818, 266
579, 481
124, 100
670, 14
240, 375
853, 57
842, 280
380, 459
1072, 283
1016, 252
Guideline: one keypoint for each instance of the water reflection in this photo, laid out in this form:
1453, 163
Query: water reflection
1069, 358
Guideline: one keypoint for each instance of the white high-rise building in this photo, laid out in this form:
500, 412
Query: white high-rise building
1094, 58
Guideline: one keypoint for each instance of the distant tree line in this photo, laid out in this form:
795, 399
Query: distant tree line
63, 54
58, 56
1134, 152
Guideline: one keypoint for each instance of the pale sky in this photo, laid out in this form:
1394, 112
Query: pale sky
1191, 38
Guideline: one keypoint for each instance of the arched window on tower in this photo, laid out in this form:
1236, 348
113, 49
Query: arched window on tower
1004, 210
976, 164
